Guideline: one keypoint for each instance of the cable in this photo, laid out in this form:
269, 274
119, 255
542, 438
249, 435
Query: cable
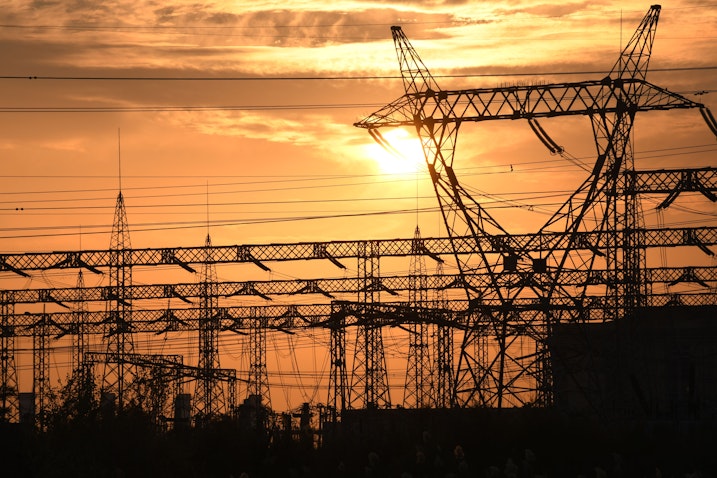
329, 78
185, 108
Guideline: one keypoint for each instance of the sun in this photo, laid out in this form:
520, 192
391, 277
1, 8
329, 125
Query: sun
403, 155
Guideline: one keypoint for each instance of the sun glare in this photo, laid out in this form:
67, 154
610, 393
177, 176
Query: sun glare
404, 156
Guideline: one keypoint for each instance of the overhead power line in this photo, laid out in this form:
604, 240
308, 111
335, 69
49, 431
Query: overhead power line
329, 78
185, 108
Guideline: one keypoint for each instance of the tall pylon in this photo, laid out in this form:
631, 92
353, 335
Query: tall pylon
120, 343
80, 343
41, 369
338, 376
419, 388
444, 381
207, 401
369, 379
118, 372
494, 369
9, 398
258, 372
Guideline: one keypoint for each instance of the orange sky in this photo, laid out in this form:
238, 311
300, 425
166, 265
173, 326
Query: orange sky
62, 168
284, 163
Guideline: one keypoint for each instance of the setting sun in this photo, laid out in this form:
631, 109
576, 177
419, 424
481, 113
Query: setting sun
401, 155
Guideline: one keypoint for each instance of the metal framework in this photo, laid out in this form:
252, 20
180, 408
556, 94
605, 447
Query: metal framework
419, 390
208, 396
117, 372
369, 386
514, 287
492, 369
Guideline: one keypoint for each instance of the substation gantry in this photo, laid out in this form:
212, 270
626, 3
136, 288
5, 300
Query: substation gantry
422, 311
516, 288
491, 371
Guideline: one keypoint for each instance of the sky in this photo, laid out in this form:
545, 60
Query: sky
235, 118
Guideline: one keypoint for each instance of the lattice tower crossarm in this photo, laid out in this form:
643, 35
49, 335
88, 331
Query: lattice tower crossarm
386, 314
186, 292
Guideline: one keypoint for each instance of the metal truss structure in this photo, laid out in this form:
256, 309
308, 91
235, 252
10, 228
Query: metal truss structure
490, 371
510, 291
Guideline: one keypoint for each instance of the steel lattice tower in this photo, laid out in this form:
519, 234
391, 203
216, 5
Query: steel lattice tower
258, 373
369, 381
419, 389
503, 350
79, 346
41, 368
443, 350
9, 400
338, 378
117, 370
209, 395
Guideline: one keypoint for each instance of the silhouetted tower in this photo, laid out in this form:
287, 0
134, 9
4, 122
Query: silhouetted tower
494, 367
209, 396
9, 399
419, 389
41, 368
338, 378
117, 371
79, 346
443, 350
258, 373
369, 385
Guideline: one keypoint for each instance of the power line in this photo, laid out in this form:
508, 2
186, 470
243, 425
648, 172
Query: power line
330, 78
559, 163
181, 108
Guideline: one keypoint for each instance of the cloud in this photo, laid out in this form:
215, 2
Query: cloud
556, 9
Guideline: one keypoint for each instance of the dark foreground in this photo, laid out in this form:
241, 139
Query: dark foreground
389, 443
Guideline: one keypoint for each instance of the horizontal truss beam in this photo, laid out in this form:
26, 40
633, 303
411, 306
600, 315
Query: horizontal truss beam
494, 244
190, 293
606, 96
292, 318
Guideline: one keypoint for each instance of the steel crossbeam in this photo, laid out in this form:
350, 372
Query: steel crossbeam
524, 102
494, 244
190, 293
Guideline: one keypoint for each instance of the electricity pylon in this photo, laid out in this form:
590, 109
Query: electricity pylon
494, 368
118, 372
209, 397
419, 391
9, 398
369, 380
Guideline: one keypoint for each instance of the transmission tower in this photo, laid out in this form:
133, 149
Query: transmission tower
443, 349
369, 386
209, 396
258, 373
338, 378
419, 388
503, 348
117, 371
79, 346
9, 399
41, 368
